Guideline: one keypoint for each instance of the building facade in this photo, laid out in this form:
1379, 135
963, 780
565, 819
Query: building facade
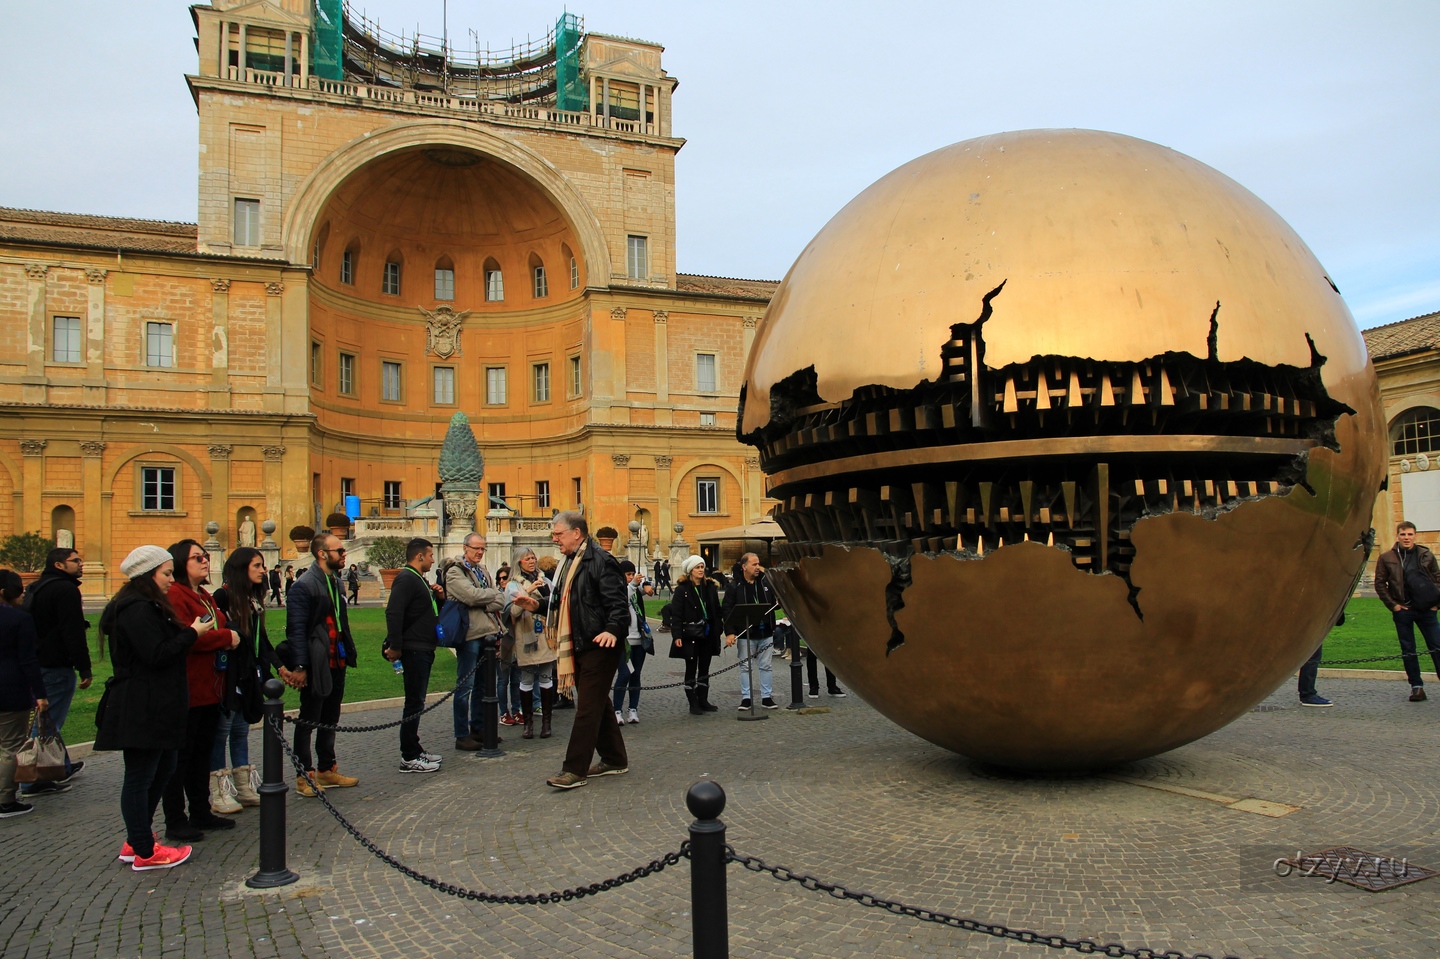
388, 232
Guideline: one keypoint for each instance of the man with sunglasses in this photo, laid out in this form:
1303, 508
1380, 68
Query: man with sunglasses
319, 648
54, 601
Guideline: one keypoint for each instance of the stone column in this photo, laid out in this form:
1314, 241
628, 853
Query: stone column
274, 486
94, 383
275, 377
33, 470
92, 546
663, 415
220, 488
240, 74
220, 346
665, 505
749, 322
33, 390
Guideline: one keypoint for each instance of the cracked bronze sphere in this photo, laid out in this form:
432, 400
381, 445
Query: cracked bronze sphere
1076, 446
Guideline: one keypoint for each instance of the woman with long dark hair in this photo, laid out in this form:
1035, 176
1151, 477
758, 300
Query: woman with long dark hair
241, 598
695, 619
143, 710
206, 668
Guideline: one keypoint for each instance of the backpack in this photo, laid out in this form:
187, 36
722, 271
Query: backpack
454, 624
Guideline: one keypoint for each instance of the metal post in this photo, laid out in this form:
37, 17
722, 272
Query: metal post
490, 748
272, 795
752, 715
797, 672
709, 919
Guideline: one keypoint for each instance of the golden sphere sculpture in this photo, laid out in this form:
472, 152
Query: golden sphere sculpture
1075, 444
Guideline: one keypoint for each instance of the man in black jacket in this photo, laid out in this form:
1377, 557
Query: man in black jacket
1407, 580
750, 587
54, 602
411, 616
588, 613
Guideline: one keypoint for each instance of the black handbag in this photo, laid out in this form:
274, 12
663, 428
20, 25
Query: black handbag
695, 631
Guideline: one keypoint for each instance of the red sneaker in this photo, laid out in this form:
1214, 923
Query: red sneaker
164, 857
505, 720
127, 852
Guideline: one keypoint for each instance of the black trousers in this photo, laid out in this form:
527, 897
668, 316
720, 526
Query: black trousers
147, 771
321, 709
697, 670
595, 728
417, 683
810, 662
191, 779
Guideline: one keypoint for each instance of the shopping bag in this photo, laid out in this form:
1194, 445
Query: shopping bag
42, 758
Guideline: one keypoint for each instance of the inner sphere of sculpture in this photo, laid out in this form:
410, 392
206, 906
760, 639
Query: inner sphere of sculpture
1076, 446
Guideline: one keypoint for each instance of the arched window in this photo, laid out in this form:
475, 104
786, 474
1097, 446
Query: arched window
319, 252
444, 279
390, 281
539, 284
494, 281
347, 262
572, 263
1416, 431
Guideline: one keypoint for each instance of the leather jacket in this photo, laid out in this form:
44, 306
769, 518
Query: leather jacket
597, 598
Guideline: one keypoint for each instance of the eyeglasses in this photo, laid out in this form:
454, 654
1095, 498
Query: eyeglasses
338, 549
199, 558
478, 549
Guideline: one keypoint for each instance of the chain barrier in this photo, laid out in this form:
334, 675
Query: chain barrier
1372, 659
1087, 946
334, 728
477, 895
719, 672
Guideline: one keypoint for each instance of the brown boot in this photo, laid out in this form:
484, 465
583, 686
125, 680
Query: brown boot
547, 707
527, 707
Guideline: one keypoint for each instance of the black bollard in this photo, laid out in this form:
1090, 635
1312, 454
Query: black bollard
272, 795
490, 747
797, 672
709, 921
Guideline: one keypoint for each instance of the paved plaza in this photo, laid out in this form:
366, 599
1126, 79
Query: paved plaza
844, 795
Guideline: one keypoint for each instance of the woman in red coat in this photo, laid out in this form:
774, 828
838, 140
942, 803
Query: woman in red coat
205, 669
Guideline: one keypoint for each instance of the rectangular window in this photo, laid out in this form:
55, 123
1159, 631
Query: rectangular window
347, 374
67, 340
542, 382
445, 385
707, 496
636, 262
494, 286
496, 387
317, 364
705, 372
390, 283
347, 487
247, 222
575, 489
157, 488
347, 267
542, 494
444, 284
390, 381
159, 344
542, 285
707, 419
575, 382
392, 495
574, 273
497, 496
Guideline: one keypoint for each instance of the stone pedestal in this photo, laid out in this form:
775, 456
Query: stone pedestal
679, 551
215, 550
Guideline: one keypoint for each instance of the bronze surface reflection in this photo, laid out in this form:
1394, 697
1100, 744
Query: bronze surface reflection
1101, 496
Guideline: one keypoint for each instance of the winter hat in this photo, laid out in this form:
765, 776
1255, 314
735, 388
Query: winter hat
144, 559
626, 566
690, 563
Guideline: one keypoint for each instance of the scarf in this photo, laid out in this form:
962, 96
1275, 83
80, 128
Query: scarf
559, 627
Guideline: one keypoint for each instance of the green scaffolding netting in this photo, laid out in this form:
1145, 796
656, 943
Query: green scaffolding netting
570, 92
325, 44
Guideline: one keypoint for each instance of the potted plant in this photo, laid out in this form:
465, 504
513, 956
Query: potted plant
606, 536
339, 525
388, 554
301, 537
25, 554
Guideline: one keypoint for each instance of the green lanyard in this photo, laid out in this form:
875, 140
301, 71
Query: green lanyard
334, 600
703, 611
428, 593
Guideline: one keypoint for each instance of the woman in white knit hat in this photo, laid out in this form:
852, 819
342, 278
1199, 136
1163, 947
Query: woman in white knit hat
144, 707
695, 628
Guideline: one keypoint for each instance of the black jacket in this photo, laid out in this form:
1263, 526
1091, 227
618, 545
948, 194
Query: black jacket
745, 593
147, 701
20, 680
54, 601
692, 606
410, 614
597, 598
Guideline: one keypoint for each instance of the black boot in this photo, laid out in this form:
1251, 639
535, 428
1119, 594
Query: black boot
693, 695
547, 706
527, 708
702, 694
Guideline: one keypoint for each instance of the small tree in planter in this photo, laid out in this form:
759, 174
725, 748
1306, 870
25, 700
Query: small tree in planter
606, 536
301, 537
339, 524
387, 553
25, 553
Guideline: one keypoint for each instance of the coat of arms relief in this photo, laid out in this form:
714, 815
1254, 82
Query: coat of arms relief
442, 331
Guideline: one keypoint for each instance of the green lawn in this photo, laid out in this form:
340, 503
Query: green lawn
374, 678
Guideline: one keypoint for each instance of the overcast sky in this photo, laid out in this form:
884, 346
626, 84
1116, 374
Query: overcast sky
1330, 112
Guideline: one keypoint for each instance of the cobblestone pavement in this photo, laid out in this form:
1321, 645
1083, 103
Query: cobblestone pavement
844, 795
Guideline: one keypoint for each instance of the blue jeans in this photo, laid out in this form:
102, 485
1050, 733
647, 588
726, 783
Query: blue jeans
467, 709
234, 730
60, 682
762, 666
1405, 622
628, 677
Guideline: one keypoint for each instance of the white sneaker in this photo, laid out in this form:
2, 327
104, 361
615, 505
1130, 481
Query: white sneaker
419, 765
431, 757
634, 717
619, 717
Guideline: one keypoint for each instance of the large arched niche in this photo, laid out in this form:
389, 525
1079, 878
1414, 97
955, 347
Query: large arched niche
533, 181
